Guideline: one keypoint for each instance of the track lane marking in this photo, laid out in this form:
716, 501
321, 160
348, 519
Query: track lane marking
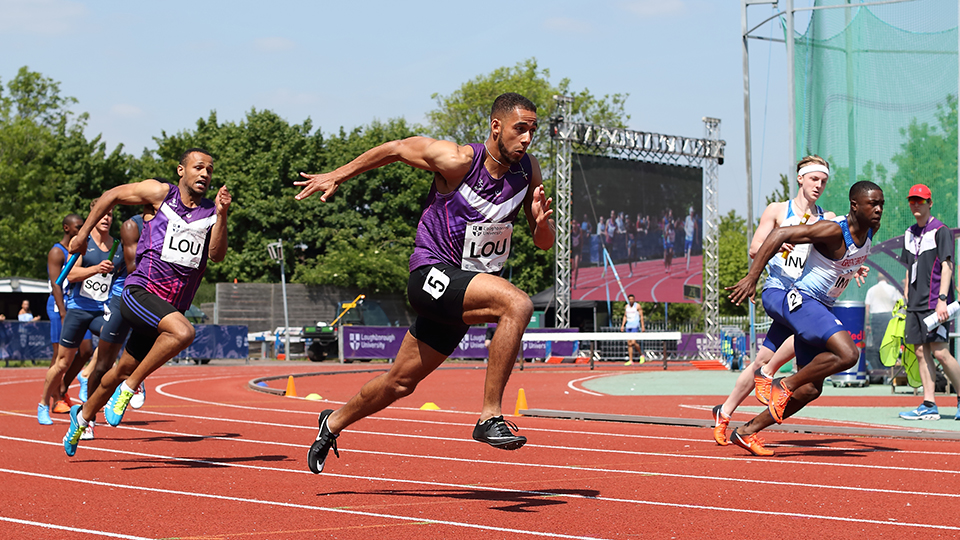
71, 529
437, 484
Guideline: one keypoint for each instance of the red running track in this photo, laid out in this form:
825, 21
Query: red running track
207, 458
649, 281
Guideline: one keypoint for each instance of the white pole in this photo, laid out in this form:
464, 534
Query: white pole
748, 147
791, 93
286, 315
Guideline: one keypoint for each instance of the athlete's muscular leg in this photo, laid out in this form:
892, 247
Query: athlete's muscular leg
106, 356
108, 383
744, 384
493, 299
801, 397
54, 376
841, 355
83, 355
414, 362
950, 366
176, 334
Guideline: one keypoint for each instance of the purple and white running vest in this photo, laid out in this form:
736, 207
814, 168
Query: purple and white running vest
471, 226
173, 248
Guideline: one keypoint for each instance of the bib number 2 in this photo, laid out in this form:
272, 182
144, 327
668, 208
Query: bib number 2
794, 300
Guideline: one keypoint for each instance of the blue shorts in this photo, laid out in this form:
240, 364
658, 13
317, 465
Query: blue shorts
688, 244
812, 322
114, 328
778, 332
76, 327
56, 325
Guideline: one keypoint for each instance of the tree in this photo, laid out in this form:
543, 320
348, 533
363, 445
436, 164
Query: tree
48, 169
732, 265
464, 117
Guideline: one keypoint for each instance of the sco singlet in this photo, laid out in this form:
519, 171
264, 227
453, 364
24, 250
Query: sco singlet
783, 271
824, 278
93, 292
471, 226
173, 248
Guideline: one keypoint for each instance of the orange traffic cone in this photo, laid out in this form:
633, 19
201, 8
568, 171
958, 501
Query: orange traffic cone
521, 402
291, 388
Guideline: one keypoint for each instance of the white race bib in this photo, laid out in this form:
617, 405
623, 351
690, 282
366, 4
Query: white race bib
486, 246
183, 242
794, 261
436, 283
841, 284
96, 287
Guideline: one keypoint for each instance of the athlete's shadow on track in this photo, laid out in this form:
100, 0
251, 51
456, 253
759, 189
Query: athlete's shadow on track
512, 501
189, 463
178, 438
855, 448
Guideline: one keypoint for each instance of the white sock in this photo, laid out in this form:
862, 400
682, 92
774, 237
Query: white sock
125, 388
82, 421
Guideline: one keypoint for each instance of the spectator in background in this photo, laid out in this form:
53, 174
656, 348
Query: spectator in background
25, 314
929, 258
879, 310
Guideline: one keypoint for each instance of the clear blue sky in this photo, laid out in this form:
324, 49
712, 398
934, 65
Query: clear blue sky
139, 68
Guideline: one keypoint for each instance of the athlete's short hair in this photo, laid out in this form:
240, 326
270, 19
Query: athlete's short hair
862, 187
67, 219
186, 154
811, 159
506, 103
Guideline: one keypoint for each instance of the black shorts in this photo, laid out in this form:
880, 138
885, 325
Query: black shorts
915, 332
143, 311
75, 325
436, 293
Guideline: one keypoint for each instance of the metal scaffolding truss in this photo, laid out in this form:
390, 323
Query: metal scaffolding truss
641, 146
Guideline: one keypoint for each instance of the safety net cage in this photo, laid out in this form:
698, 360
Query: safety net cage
876, 95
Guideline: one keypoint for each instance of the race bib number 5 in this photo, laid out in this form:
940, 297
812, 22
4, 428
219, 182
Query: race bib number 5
436, 283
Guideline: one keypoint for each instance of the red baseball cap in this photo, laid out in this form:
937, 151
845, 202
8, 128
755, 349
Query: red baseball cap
920, 190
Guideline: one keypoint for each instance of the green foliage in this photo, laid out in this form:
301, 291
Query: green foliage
464, 117
732, 264
782, 194
47, 169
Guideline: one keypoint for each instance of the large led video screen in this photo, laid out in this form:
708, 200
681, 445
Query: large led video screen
638, 223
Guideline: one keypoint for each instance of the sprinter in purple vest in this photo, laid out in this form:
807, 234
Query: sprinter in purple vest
186, 230
463, 240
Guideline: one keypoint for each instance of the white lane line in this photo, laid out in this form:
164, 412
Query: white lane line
706, 408
440, 484
417, 519
71, 529
500, 464
571, 386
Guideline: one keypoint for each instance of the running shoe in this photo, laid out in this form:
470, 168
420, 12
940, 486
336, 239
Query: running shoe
62, 406
750, 443
88, 433
43, 415
82, 395
326, 440
139, 397
762, 383
116, 406
957, 417
779, 396
628, 363
642, 359
497, 432
74, 432
922, 413
720, 429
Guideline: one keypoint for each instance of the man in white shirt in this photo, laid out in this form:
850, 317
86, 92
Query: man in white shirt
879, 310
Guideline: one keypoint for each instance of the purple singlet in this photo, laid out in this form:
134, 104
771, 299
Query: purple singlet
173, 248
471, 226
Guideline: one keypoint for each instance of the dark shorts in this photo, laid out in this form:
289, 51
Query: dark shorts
778, 333
915, 331
436, 294
143, 311
115, 328
56, 325
76, 326
812, 322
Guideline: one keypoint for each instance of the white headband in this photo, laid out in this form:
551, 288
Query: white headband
816, 167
